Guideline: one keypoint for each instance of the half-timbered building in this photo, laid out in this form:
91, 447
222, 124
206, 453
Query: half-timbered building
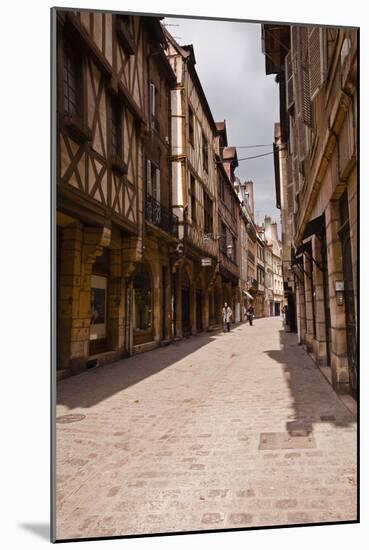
228, 218
107, 286
194, 192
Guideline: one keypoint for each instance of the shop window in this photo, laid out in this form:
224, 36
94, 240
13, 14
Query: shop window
98, 307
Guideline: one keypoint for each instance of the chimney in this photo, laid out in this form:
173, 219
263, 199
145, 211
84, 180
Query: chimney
249, 188
274, 232
268, 228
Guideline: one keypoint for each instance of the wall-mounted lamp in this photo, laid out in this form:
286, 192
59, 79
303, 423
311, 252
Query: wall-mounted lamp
340, 287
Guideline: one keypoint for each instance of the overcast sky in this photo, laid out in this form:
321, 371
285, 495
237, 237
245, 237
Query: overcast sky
231, 68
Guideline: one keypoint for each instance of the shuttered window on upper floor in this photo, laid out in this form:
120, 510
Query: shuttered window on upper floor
317, 59
72, 80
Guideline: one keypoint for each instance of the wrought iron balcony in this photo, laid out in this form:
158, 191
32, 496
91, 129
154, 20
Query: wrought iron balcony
254, 284
162, 217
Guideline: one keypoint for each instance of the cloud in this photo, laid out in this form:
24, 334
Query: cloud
231, 67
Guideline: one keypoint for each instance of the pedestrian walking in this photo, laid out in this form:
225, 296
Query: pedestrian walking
226, 314
285, 314
250, 314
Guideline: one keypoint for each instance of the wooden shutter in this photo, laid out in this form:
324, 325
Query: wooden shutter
302, 141
289, 81
316, 60
148, 178
304, 100
305, 96
188, 197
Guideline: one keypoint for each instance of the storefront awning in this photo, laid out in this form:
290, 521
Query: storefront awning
314, 227
248, 294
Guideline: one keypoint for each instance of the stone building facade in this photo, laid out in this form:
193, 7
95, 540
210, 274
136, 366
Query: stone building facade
316, 181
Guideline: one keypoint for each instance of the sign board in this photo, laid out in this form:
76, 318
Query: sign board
340, 286
206, 262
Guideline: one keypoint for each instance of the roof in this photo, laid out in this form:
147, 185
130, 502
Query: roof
230, 153
275, 45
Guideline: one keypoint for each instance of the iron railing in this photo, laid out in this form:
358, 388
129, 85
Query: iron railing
162, 217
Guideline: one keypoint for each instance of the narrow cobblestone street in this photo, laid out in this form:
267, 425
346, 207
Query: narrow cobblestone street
217, 431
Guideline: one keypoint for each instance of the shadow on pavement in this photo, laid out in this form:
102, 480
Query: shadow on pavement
95, 385
314, 400
42, 530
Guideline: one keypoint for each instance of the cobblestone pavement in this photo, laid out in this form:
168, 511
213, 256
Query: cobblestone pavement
171, 439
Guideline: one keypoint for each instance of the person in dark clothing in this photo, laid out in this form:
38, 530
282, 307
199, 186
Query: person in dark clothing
250, 314
285, 313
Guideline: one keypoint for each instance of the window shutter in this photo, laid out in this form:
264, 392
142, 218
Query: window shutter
289, 81
189, 212
302, 141
316, 58
304, 100
148, 178
305, 95
157, 177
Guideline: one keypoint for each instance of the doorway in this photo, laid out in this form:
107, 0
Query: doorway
186, 308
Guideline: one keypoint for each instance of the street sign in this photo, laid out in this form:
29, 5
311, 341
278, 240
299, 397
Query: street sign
206, 262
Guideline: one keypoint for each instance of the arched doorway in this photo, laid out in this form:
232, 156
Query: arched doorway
142, 306
186, 308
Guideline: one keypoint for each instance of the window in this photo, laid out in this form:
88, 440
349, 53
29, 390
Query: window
115, 122
234, 249
193, 198
191, 124
223, 239
153, 180
208, 214
205, 152
71, 82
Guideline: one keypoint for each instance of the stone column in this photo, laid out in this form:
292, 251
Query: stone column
69, 289
309, 329
319, 342
339, 364
168, 306
352, 203
193, 306
116, 304
205, 307
218, 299
178, 310
156, 301
211, 306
